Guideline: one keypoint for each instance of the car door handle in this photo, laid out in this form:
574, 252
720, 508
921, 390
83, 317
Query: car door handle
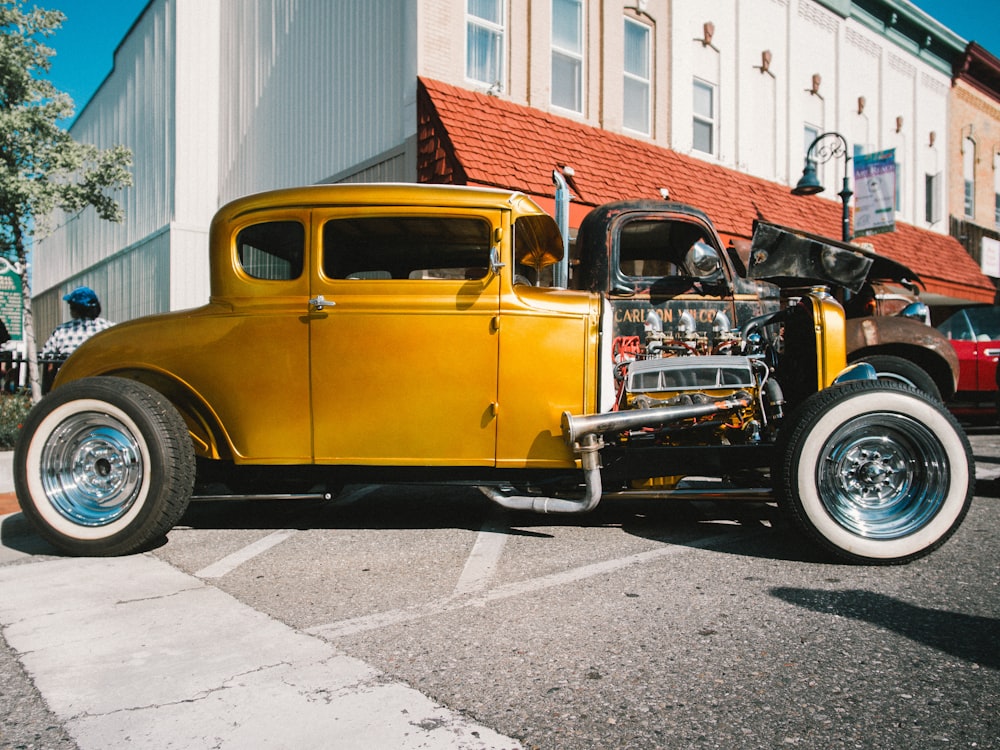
991, 352
319, 302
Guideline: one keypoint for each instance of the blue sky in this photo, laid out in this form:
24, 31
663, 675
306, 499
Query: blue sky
86, 43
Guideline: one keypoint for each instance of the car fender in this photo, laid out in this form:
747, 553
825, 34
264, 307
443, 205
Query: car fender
907, 338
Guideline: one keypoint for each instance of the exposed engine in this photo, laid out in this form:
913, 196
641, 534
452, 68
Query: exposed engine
732, 369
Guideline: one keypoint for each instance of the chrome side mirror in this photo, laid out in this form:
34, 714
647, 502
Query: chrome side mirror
916, 311
702, 262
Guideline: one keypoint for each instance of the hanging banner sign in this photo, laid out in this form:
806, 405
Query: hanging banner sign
10, 303
990, 257
875, 193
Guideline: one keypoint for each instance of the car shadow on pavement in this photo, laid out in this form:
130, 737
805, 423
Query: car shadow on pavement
967, 637
744, 528
19, 535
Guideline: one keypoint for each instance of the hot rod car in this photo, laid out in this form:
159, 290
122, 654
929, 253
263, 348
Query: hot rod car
402, 333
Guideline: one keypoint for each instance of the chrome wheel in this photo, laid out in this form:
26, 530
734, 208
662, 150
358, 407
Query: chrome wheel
91, 469
883, 476
875, 472
103, 466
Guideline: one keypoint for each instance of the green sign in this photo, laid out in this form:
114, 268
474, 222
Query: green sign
10, 304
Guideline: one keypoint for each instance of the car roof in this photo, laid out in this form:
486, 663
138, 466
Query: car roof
379, 194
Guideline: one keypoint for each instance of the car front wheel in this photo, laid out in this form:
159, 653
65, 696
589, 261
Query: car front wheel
103, 466
898, 370
876, 472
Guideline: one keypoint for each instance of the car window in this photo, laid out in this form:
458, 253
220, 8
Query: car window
957, 327
406, 247
985, 322
272, 250
656, 248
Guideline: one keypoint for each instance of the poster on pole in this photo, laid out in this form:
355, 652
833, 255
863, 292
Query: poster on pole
10, 302
875, 193
990, 257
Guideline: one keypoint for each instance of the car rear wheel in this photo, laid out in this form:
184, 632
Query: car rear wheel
103, 466
875, 472
898, 370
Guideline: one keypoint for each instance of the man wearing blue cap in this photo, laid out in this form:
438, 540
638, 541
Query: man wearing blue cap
85, 309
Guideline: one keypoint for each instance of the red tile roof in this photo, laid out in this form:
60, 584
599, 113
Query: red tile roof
470, 138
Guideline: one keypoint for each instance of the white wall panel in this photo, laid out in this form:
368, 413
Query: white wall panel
189, 273
134, 106
139, 271
311, 89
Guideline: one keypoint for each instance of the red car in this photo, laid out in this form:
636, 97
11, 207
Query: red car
974, 332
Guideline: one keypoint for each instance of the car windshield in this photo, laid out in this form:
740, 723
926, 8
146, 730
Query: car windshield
656, 248
973, 324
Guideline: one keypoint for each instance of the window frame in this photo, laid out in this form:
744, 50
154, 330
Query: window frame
499, 32
969, 178
932, 198
575, 57
636, 79
712, 121
996, 189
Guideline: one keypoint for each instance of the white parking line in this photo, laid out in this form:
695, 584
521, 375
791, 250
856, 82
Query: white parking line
380, 620
485, 555
229, 563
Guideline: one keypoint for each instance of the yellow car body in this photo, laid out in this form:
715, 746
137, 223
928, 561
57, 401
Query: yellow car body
405, 333
402, 371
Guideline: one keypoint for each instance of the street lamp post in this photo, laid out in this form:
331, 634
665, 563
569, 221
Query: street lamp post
825, 147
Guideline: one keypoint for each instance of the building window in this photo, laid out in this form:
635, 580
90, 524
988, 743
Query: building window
809, 133
899, 182
705, 116
567, 54
969, 176
484, 42
996, 190
932, 200
637, 77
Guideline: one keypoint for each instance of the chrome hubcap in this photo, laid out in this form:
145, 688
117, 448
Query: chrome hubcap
883, 476
91, 469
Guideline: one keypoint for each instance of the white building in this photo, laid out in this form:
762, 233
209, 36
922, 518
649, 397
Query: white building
219, 98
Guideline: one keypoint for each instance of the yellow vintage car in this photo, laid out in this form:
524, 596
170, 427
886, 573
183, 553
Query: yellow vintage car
404, 333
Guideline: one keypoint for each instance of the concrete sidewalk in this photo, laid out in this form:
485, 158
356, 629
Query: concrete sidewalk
131, 651
6, 472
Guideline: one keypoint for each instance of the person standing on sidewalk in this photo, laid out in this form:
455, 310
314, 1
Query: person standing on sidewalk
85, 309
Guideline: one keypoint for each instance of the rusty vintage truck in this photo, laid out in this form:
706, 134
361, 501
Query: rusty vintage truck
402, 333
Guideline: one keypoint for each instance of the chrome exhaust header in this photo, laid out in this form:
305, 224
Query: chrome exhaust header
583, 434
576, 427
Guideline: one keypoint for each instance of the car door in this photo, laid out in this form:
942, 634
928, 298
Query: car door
985, 323
974, 333
404, 336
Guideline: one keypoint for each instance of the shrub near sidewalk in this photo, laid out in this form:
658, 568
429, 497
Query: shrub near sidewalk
14, 408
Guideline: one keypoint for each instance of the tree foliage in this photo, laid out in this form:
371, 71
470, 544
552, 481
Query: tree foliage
42, 168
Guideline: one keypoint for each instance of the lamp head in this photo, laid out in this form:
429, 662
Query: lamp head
809, 184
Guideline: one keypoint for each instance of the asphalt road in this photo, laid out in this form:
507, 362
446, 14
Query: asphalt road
441, 621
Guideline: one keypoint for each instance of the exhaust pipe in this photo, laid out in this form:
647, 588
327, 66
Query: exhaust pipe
574, 428
590, 461
583, 434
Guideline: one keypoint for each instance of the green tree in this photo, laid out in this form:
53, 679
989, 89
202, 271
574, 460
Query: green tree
42, 168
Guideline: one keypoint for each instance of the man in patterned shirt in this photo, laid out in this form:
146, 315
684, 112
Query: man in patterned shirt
85, 309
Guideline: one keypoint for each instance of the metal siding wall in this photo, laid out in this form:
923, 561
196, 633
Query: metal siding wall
134, 107
137, 273
310, 89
